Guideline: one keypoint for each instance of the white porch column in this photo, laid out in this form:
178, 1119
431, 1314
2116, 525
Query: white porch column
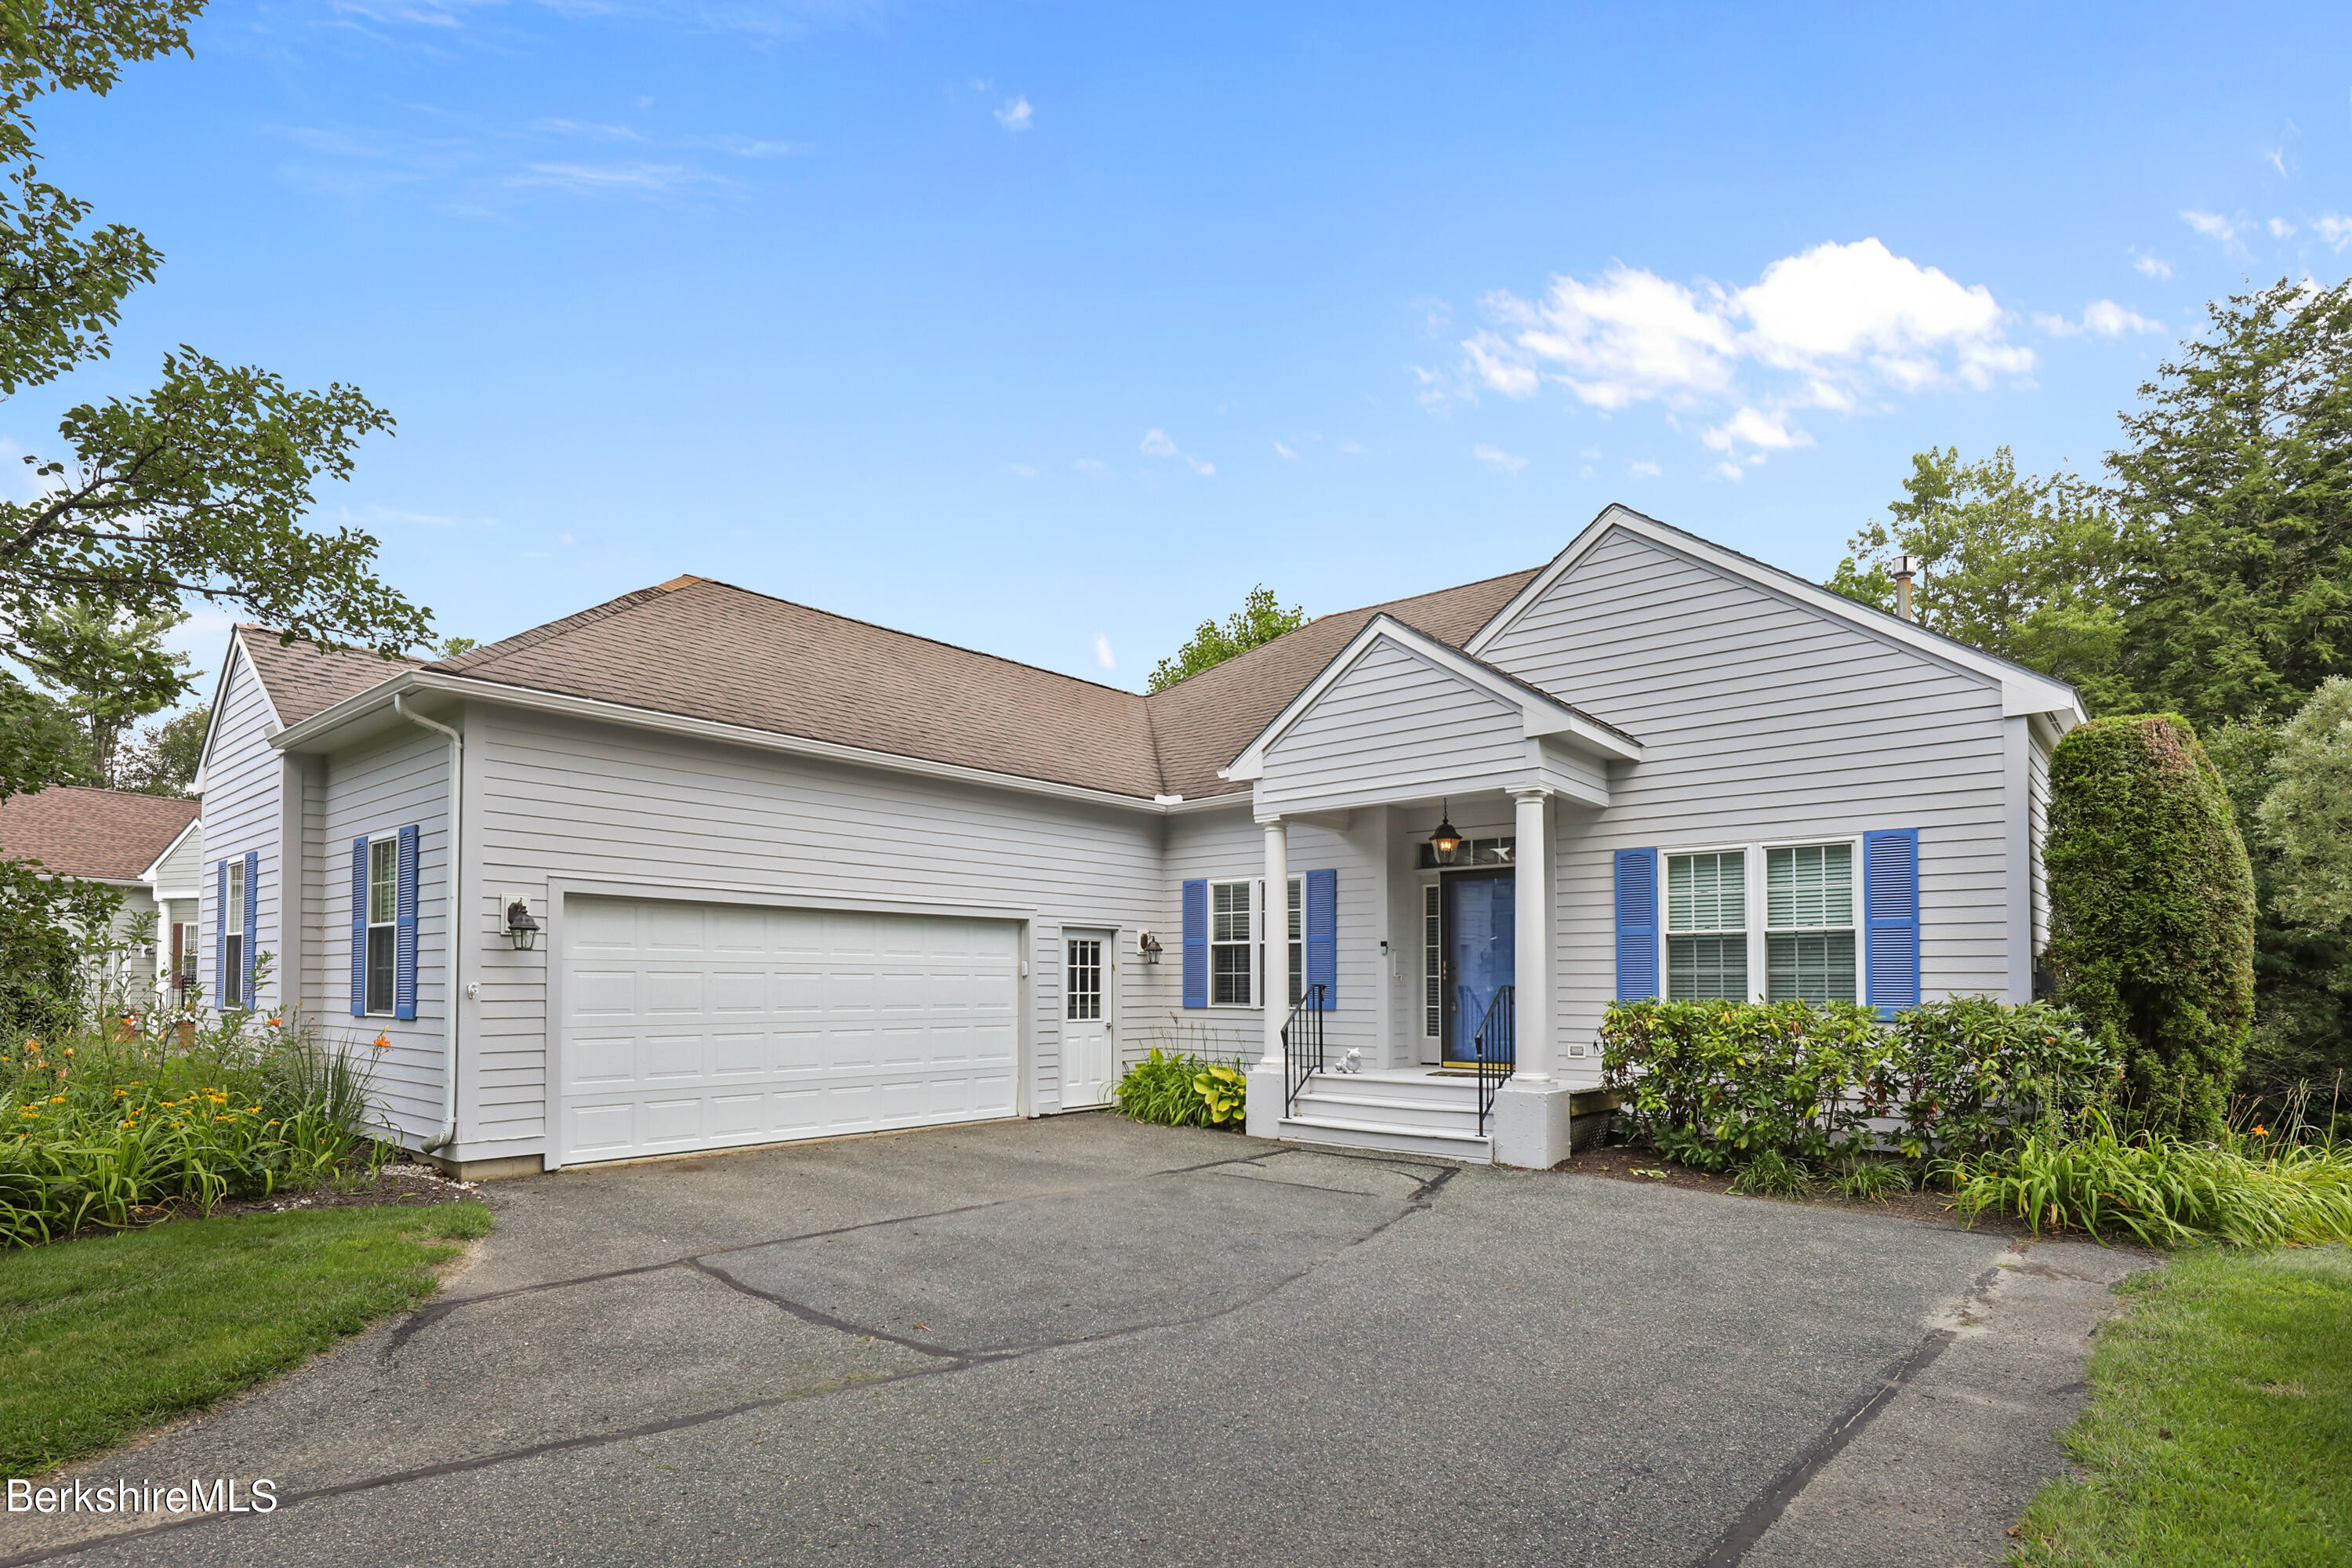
1531, 923
1531, 1107
1269, 1080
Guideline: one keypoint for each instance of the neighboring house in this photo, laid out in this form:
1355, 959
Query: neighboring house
144, 846
729, 871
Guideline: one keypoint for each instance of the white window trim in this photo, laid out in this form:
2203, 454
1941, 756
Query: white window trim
1258, 924
233, 960
1752, 866
392, 1006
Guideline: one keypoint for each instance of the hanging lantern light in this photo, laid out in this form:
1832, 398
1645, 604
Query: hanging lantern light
1445, 843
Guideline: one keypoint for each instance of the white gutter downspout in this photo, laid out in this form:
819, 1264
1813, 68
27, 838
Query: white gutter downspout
453, 990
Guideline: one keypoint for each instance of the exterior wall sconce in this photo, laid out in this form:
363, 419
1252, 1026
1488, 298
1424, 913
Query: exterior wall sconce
521, 929
1446, 842
1147, 947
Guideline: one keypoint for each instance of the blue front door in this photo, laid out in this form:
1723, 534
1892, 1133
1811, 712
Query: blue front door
1479, 946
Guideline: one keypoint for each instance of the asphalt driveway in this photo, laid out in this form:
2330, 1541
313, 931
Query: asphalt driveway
1082, 1340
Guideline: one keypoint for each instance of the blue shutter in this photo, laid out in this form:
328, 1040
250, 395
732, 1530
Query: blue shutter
1637, 924
252, 926
358, 925
1196, 942
1890, 903
403, 977
1322, 934
220, 936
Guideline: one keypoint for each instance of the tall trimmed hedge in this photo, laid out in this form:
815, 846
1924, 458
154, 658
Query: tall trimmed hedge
2152, 933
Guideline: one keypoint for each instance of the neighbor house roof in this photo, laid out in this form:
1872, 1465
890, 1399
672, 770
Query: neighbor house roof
303, 678
109, 834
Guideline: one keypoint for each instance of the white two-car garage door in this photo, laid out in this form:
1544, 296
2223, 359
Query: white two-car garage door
692, 1026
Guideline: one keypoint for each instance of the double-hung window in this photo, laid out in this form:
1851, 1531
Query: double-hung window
383, 917
232, 918
1707, 926
1809, 933
1232, 943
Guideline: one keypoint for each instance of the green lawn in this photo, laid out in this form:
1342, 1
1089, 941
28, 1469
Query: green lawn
102, 1338
2220, 1429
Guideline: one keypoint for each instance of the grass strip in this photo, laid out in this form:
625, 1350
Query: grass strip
2219, 1427
106, 1337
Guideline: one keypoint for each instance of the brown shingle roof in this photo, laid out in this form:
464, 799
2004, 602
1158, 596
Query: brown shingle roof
711, 651
303, 680
80, 832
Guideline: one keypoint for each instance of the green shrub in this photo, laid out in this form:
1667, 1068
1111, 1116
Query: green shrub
1179, 1090
2153, 914
1859, 1176
95, 1126
1716, 1084
2166, 1191
1773, 1174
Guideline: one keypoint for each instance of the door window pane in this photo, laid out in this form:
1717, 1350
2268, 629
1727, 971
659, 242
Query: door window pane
1085, 992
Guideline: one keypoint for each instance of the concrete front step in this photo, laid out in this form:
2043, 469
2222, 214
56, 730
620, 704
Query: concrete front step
1329, 1102
1389, 1137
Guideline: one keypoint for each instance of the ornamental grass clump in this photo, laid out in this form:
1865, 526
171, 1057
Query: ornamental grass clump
2245, 1189
99, 1127
1180, 1089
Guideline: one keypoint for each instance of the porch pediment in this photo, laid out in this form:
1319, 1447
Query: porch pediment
1398, 715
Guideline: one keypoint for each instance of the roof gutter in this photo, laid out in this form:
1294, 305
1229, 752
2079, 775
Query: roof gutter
453, 989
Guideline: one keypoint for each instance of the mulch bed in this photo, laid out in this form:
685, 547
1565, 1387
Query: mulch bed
392, 1186
1623, 1164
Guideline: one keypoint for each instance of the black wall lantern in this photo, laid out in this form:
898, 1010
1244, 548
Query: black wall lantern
1148, 946
1445, 841
521, 929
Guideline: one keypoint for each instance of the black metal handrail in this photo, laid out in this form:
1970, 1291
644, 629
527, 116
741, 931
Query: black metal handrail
1495, 1046
1302, 1046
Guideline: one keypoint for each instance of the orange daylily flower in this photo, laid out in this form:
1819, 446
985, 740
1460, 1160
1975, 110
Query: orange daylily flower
383, 1042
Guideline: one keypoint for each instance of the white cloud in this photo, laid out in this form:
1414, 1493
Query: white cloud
2213, 226
1281, 451
2152, 266
2101, 318
2279, 228
1021, 471
2335, 229
1837, 324
566, 538
1494, 457
1015, 115
1157, 444
641, 179
1352, 448
1089, 465
1644, 470
1103, 656
2278, 160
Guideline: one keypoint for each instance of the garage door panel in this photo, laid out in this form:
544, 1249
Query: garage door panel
700, 1026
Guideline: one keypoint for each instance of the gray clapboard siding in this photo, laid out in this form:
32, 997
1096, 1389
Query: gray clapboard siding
1762, 719
177, 871
1229, 845
395, 780
1394, 724
2037, 782
559, 799
240, 816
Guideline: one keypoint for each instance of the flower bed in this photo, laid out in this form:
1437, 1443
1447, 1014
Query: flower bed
99, 1125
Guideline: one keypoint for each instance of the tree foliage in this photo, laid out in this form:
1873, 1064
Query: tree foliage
79, 649
2017, 565
1259, 620
166, 755
2153, 912
2234, 485
2307, 813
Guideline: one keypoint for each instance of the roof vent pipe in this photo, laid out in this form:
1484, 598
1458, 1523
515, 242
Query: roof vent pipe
451, 991
1905, 568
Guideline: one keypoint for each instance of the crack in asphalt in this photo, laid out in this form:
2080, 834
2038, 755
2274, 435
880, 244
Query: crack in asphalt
949, 1360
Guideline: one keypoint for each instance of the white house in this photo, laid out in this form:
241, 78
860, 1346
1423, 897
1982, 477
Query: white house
728, 870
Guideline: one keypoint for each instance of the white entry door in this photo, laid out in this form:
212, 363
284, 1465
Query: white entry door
693, 1025
1088, 1056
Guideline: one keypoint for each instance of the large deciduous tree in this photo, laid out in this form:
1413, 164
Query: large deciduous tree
1261, 619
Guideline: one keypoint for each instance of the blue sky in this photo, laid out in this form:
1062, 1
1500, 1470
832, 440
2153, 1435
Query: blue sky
1049, 330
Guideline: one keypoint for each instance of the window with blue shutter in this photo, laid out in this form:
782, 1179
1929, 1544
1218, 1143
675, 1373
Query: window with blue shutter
358, 925
1637, 924
252, 922
1196, 942
1323, 935
404, 978
1890, 897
